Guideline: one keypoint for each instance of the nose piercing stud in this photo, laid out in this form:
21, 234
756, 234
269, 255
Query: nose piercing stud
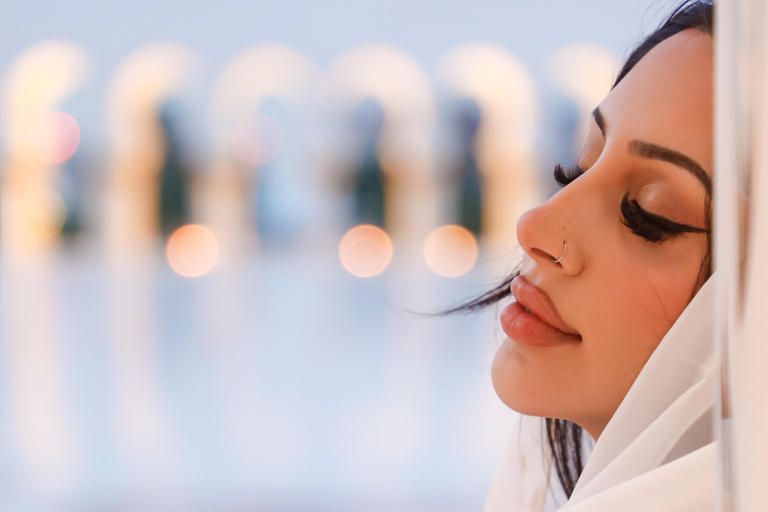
565, 248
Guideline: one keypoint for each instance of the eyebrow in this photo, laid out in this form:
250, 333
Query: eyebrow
655, 152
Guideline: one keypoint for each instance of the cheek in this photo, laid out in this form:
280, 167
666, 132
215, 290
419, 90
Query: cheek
657, 288
632, 302
635, 305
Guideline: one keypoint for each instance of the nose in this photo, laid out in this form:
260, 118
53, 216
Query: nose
547, 234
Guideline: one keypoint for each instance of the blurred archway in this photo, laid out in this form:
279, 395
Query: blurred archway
392, 80
246, 139
503, 89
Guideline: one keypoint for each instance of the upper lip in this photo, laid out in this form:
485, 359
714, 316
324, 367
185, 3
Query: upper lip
534, 299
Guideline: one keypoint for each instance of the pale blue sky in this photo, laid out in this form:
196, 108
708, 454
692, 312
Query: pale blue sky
322, 30
532, 29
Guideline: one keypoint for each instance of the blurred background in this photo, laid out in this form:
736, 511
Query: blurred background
221, 224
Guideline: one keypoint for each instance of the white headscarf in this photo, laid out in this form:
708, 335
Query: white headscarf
656, 453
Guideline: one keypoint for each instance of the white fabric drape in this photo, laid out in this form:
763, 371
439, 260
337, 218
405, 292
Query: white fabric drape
667, 415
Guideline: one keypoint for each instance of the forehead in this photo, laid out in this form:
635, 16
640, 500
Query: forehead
666, 99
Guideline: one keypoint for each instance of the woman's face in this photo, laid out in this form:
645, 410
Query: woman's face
627, 273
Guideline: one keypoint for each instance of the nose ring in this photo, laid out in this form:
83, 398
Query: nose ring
565, 248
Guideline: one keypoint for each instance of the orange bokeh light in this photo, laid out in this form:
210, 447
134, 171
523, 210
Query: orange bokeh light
365, 251
450, 251
192, 250
257, 139
59, 137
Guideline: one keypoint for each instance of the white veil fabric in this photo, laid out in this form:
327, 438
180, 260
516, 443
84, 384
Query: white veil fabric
656, 453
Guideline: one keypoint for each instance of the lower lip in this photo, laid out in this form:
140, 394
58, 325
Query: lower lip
527, 328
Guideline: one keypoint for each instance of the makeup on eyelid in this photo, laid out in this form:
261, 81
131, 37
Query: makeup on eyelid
663, 199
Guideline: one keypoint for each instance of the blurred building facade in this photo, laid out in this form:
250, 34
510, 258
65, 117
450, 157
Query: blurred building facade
203, 303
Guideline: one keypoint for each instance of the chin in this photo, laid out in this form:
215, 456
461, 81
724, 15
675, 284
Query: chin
517, 392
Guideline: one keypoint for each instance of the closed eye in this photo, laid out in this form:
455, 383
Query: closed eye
651, 226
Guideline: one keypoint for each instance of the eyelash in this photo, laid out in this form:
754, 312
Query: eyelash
650, 226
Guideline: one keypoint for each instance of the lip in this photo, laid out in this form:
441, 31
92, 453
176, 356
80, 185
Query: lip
533, 318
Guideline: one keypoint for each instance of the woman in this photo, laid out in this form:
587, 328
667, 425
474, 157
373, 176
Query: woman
610, 264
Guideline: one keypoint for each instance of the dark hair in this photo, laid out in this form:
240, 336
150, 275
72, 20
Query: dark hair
565, 438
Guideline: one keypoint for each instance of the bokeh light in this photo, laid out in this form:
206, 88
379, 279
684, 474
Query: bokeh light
450, 251
43, 213
257, 139
192, 250
365, 251
59, 137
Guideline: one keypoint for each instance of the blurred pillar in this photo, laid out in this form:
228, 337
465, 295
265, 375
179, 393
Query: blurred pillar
32, 215
469, 177
140, 86
368, 180
175, 176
